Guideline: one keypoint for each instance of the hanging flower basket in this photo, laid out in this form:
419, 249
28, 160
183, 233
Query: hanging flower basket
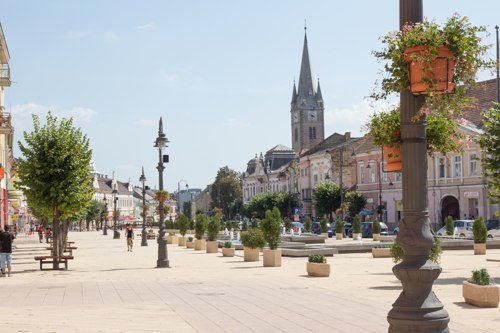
430, 73
392, 157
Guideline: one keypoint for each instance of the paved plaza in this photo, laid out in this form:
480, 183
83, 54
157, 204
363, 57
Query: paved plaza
108, 289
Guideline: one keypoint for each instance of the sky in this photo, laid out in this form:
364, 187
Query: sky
220, 73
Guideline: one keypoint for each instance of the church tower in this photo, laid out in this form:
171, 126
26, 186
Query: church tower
307, 110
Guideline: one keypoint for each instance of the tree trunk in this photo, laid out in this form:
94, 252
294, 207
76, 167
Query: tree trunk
57, 249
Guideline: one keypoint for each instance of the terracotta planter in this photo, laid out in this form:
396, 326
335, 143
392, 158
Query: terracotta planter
172, 239
228, 252
339, 236
272, 258
481, 296
200, 244
190, 245
479, 248
212, 246
317, 269
376, 237
381, 252
182, 241
250, 254
355, 235
441, 74
392, 157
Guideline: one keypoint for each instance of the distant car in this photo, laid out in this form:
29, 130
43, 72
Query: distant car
333, 225
494, 232
492, 224
463, 228
367, 229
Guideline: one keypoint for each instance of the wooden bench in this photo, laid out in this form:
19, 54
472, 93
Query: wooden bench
52, 259
68, 249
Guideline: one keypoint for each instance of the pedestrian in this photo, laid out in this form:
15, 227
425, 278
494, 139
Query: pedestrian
6, 240
40, 233
129, 232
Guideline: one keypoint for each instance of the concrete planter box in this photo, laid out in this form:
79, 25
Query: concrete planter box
250, 254
172, 239
200, 245
190, 245
212, 246
339, 236
228, 252
376, 237
317, 269
479, 248
384, 252
481, 296
182, 241
272, 258
355, 236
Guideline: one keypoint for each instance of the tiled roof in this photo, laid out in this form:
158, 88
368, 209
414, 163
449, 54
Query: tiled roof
485, 94
106, 187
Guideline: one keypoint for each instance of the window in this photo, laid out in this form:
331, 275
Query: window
362, 174
457, 166
312, 133
472, 165
441, 167
372, 172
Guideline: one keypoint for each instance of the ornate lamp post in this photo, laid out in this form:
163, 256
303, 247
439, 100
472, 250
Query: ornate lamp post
105, 228
116, 234
144, 240
160, 143
417, 308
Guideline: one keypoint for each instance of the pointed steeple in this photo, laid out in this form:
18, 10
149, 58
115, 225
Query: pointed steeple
306, 87
294, 93
319, 97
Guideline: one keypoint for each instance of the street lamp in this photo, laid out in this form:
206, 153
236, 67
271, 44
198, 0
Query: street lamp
341, 173
105, 229
144, 240
179, 194
267, 171
160, 143
116, 234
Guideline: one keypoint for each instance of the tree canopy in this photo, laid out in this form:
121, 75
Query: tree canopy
490, 144
355, 202
285, 202
226, 190
326, 198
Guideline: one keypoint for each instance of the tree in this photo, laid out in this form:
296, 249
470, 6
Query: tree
355, 202
267, 201
490, 144
226, 190
54, 174
93, 213
326, 198
271, 227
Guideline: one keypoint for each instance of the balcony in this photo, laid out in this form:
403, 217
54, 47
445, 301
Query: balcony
5, 75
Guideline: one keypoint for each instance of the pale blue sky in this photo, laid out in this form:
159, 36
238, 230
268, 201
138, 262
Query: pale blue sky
220, 73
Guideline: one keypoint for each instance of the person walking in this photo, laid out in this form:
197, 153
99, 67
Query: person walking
129, 232
40, 232
6, 240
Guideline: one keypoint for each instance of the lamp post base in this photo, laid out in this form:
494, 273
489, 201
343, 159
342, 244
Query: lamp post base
162, 261
116, 234
144, 240
105, 231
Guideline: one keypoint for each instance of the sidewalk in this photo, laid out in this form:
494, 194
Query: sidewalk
108, 289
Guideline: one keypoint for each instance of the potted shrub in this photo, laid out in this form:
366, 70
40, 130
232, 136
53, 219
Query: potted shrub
213, 228
480, 290
190, 243
448, 222
200, 226
271, 228
339, 230
480, 234
382, 251
317, 266
307, 224
324, 225
183, 228
376, 230
252, 240
172, 238
228, 250
356, 227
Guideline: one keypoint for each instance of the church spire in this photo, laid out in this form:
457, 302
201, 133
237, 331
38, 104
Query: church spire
319, 97
294, 93
305, 80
